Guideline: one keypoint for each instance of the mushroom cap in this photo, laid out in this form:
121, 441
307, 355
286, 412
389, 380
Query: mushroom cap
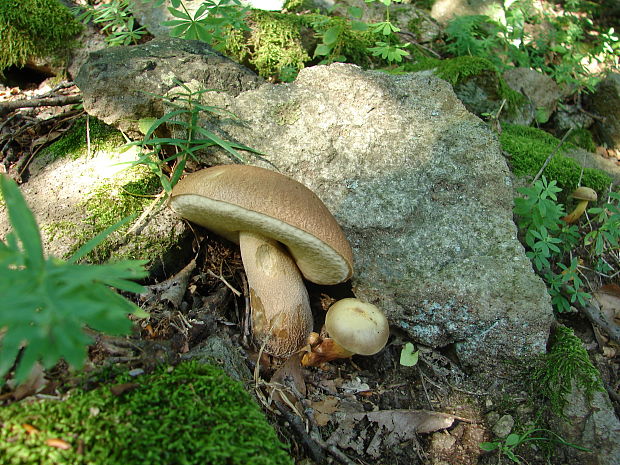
585, 193
359, 327
227, 199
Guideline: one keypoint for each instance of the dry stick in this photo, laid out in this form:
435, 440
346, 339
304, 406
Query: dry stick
551, 156
6, 107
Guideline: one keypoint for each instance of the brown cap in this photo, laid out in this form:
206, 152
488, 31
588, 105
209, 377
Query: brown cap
359, 327
585, 193
228, 199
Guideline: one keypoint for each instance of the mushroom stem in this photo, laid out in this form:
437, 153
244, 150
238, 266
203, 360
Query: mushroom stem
576, 213
326, 351
281, 315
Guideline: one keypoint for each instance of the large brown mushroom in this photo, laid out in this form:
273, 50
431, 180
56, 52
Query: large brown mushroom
282, 229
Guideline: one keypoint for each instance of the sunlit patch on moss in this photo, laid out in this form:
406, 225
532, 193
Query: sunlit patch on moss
74, 143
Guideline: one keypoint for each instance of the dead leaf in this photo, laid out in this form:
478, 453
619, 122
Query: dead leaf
120, 389
58, 443
290, 376
608, 299
30, 429
394, 427
35, 383
324, 408
172, 289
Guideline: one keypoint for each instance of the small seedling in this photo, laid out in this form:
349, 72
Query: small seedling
408, 355
507, 446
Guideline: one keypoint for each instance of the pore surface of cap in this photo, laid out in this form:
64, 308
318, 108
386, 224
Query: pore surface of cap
227, 199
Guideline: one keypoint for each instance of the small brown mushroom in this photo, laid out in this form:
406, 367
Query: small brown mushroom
283, 229
584, 195
354, 327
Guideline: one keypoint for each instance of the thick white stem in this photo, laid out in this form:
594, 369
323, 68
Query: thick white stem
281, 315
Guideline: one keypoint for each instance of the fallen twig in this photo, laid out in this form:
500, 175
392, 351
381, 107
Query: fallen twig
6, 107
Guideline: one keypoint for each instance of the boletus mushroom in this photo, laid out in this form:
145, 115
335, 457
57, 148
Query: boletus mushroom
284, 231
354, 327
583, 195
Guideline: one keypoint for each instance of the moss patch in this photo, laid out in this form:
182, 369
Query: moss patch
34, 28
530, 147
566, 362
280, 44
74, 143
460, 69
193, 414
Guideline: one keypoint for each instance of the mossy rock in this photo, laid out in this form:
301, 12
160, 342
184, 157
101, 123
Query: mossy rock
34, 28
278, 45
529, 148
192, 414
476, 82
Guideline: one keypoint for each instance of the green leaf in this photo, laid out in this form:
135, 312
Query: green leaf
355, 12
330, 36
322, 50
512, 439
489, 446
23, 222
408, 357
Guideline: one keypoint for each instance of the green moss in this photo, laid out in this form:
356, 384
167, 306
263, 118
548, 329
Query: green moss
74, 143
34, 28
460, 69
109, 203
281, 44
582, 138
350, 46
192, 414
273, 43
566, 362
529, 148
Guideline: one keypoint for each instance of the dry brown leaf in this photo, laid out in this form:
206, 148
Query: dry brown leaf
289, 376
608, 299
323, 409
395, 427
30, 429
172, 289
58, 443
34, 383
120, 389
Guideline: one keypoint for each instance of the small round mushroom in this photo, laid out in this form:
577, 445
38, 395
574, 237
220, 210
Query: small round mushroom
354, 327
584, 195
282, 229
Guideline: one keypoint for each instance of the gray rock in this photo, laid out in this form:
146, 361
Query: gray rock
120, 81
542, 91
503, 426
221, 352
570, 117
605, 102
445, 10
593, 160
423, 194
421, 190
590, 422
